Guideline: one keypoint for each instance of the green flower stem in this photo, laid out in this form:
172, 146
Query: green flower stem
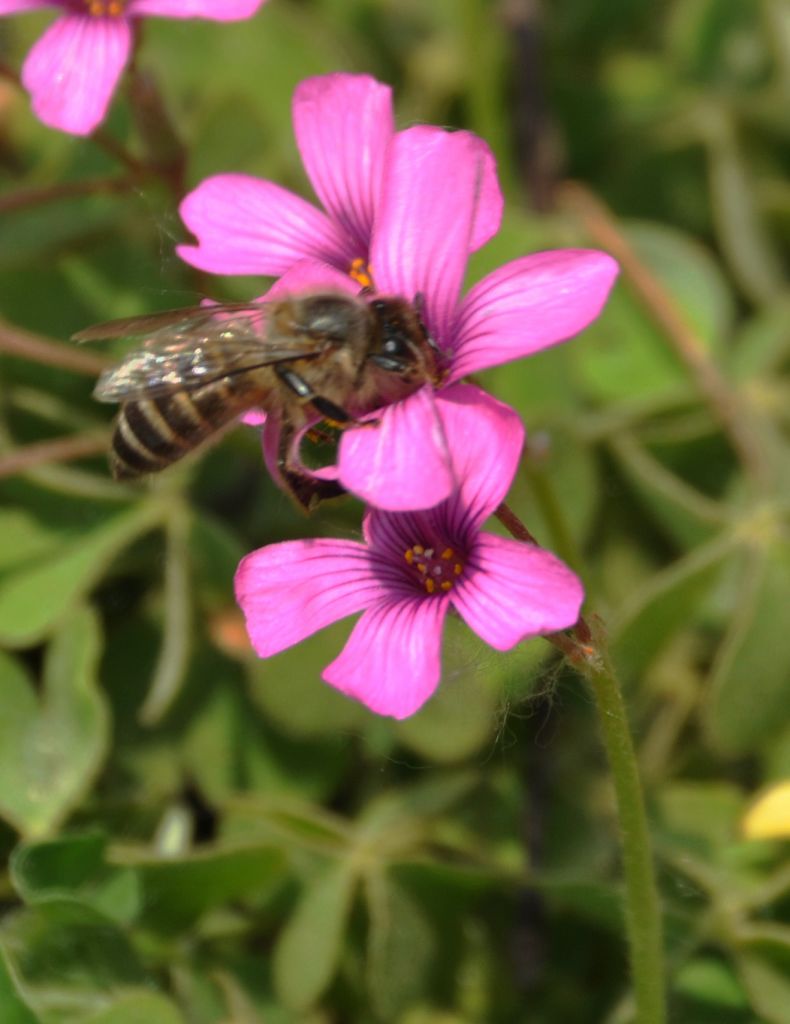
562, 539
642, 910
586, 651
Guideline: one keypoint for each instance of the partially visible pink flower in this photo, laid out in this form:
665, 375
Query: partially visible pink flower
519, 309
72, 71
420, 247
344, 126
403, 212
412, 568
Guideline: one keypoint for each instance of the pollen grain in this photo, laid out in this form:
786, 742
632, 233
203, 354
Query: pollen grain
105, 8
435, 571
361, 273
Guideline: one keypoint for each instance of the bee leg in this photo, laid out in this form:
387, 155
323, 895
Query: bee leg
333, 414
306, 490
328, 409
419, 306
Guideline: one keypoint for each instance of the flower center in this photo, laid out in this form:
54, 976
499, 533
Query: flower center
434, 571
105, 8
360, 272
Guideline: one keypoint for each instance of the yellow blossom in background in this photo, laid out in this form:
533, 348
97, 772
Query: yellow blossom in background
769, 815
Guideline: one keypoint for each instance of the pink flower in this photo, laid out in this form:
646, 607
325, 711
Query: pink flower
72, 70
412, 568
517, 310
405, 210
344, 126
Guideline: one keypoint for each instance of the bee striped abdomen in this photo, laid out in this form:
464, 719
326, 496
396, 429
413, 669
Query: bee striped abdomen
152, 433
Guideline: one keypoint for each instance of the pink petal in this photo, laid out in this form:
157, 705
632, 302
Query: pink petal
270, 443
490, 201
270, 438
311, 276
485, 438
245, 225
401, 462
428, 446
18, 6
254, 418
215, 10
428, 219
529, 304
72, 70
343, 125
289, 591
512, 590
392, 659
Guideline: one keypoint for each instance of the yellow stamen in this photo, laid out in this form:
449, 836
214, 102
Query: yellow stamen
433, 565
105, 8
361, 272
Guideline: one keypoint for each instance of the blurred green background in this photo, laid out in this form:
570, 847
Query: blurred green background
190, 835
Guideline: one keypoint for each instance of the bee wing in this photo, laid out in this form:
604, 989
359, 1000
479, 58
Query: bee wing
198, 350
177, 321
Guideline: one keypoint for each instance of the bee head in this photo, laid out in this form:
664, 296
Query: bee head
402, 345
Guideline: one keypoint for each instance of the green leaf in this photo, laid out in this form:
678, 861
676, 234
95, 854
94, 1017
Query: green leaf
710, 981
69, 960
75, 865
750, 684
392, 814
701, 37
767, 938
263, 759
702, 815
288, 820
50, 750
748, 245
768, 986
12, 1007
34, 600
682, 511
565, 477
57, 866
308, 950
665, 604
624, 354
23, 538
290, 691
463, 714
400, 946
171, 665
216, 553
762, 344
138, 1008
176, 891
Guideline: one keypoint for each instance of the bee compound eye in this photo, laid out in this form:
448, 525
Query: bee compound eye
395, 346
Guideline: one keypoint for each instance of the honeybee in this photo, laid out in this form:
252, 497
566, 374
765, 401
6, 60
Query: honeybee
323, 356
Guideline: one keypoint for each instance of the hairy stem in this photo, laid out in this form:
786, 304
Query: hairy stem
642, 909
585, 648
